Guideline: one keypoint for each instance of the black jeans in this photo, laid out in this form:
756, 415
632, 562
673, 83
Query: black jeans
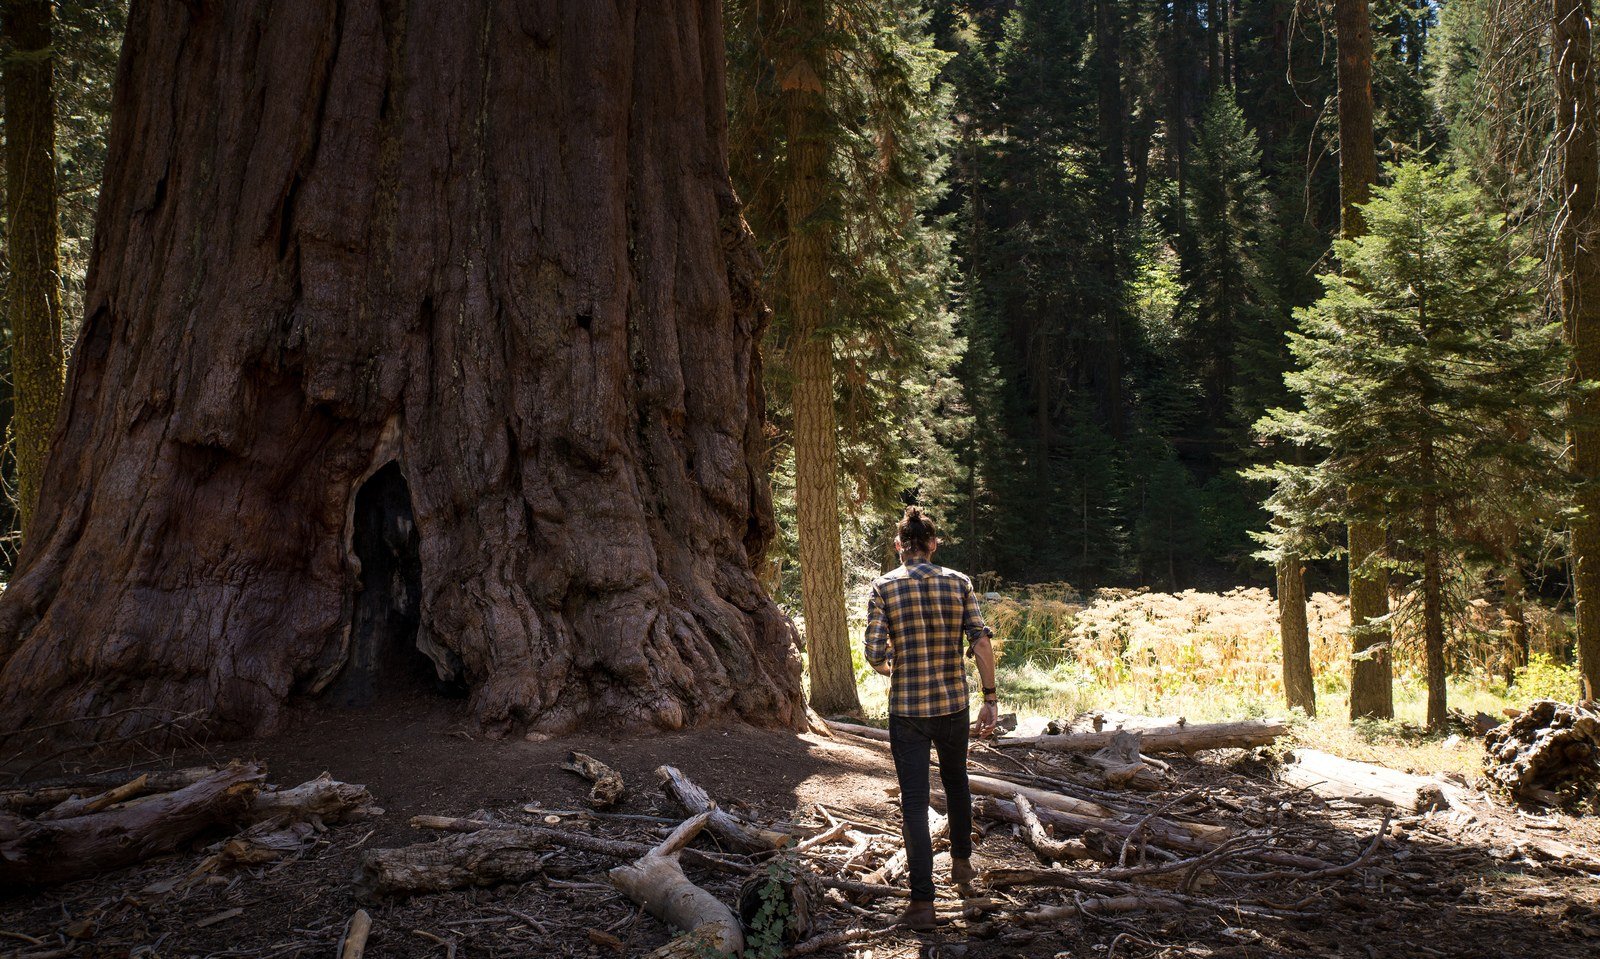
909, 738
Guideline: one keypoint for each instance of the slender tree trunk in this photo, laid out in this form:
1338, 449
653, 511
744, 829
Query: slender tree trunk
1516, 623
816, 437
492, 244
1299, 686
1578, 246
37, 364
1371, 676
1433, 611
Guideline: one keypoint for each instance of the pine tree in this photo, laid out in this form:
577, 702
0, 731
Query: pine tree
1236, 330
1420, 371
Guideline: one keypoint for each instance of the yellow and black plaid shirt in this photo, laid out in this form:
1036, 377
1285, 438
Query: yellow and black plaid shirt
916, 616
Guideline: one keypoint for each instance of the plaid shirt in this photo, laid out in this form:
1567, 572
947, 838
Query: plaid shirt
915, 616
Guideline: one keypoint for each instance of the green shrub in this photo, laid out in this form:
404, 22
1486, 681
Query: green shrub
1544, 678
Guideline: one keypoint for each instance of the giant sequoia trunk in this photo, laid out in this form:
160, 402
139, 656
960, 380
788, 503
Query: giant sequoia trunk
1371, 677
493, 245
1578, 246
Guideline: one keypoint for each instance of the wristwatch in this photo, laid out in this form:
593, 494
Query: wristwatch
989, 695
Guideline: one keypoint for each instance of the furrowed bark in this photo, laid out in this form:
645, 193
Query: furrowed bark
816, 436
33, 246
1578, 252
1371, 682
487, 255
1299, 685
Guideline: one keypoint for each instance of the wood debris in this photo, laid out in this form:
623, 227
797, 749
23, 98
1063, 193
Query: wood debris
607, 789
1549, 748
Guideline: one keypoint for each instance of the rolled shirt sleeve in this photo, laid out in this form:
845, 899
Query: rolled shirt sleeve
971, 619
877, 647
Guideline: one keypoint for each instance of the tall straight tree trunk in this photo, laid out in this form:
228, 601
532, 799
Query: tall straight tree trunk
34, 311
1299, 685
816, 437
1371, 676
1113, 136
481, 259
1433, 598
1515, 601
1578, 246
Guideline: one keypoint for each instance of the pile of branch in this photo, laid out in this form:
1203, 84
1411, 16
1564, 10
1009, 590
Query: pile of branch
1549, 749
85, 826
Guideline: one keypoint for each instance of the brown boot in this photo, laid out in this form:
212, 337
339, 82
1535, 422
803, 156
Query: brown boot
961, 872
918, 916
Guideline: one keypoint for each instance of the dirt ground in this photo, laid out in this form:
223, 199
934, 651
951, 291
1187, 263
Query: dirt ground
1439, 884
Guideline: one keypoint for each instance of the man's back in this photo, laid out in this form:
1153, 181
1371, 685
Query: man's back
917, 615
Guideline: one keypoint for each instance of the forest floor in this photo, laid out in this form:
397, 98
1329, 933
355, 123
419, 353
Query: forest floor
1439, 884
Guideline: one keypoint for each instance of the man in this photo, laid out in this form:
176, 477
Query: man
916, 618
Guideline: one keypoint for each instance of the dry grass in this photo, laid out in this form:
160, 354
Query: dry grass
1215, 656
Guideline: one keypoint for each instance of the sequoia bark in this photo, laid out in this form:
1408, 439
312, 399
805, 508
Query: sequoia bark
494, 244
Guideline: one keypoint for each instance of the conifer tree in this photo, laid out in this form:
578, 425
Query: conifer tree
1421, 370
37, 359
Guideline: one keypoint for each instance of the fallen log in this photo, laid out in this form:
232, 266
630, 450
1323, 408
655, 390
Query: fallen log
1176, 738
323, 799
656, 882
354, 942
1092, 814
729, 829
607, 789
895, 866
42, 853
1048, 850
53, 792
83, 805
1122, 765
1159, 832
1366, 784
618, 848
483, 858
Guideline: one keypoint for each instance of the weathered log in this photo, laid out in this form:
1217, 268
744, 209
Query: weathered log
1367, 784
1048, 850
41, 853
1092, 814
323, 799
1178, 738
607, 789
1122, 765
729, 829
483, 858
354, 943
83, 805
1177, 836
56, 791
895, 866
856, 729
787, 896
621, 849
656, 882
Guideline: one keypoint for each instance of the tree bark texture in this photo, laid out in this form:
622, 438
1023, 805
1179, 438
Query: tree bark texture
34, 310
1371, 681
816, 434
1299, 686
493, 244
1578, 248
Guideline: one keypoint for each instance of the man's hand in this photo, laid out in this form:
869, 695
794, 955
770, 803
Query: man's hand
988, 716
